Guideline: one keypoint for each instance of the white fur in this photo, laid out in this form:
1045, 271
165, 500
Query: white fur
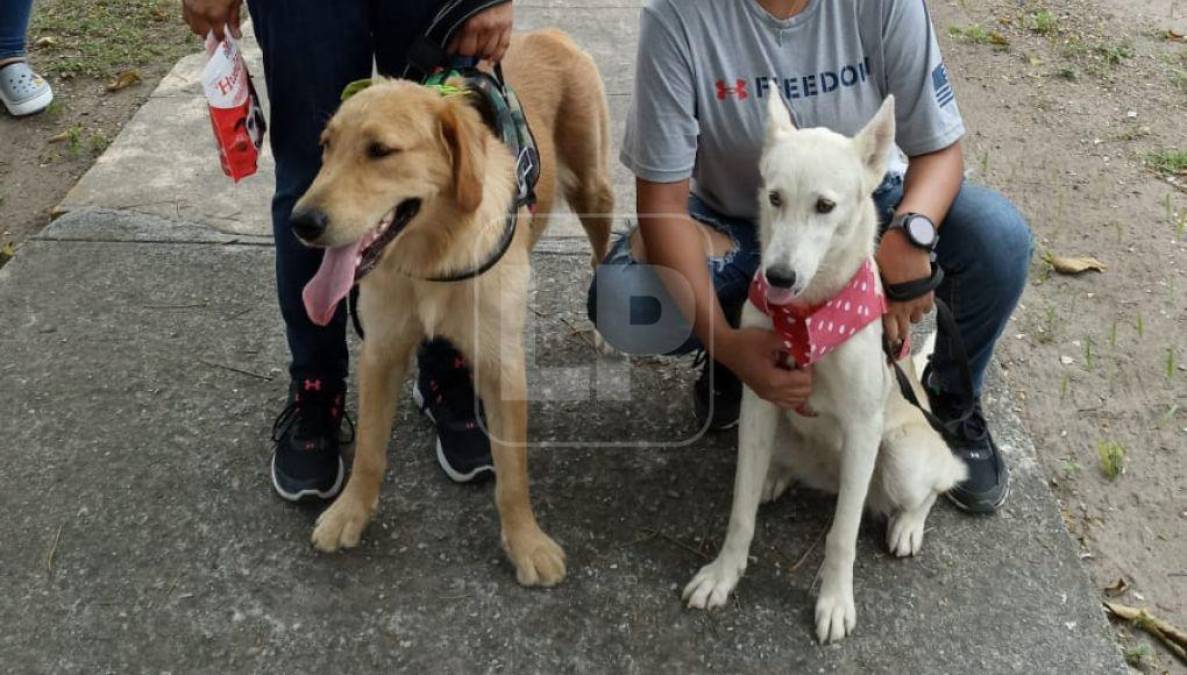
867, 444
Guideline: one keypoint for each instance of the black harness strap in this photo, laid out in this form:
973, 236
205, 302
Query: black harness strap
946, 326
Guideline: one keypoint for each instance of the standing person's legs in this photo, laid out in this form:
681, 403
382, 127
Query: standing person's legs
23, 91
311, 49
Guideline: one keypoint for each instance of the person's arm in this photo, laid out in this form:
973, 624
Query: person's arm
930, 186
674, 241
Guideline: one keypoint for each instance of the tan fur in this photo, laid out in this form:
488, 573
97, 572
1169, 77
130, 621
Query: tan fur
448, 158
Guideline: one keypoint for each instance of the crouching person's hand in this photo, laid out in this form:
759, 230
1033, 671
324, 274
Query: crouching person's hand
217, 16
755, 355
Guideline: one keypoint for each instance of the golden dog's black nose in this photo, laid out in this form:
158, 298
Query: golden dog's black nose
309, 224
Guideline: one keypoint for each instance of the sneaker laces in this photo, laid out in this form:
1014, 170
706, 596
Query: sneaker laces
311, 417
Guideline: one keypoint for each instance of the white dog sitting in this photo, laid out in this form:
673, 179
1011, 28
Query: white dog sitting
819, 281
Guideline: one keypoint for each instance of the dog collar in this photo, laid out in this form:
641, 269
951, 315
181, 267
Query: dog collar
810, 332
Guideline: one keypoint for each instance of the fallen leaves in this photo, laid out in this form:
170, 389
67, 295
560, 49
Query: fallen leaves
124, 80
58, 138
1117, 588
46, 41
1173, 637
1073, 265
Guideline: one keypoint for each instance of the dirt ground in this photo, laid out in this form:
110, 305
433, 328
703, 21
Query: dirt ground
1077, 110
81, 47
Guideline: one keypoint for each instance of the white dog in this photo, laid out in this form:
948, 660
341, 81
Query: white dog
818, 226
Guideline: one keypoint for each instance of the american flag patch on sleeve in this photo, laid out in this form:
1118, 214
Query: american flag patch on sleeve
943, 89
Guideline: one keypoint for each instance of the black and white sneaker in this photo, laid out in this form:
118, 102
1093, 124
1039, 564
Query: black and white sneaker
307, 459
716, 395
988, 484
444, 392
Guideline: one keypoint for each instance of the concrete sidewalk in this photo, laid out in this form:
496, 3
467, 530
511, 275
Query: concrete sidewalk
142, 368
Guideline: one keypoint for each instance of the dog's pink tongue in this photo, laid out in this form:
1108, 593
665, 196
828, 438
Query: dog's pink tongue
331, 283
779, 296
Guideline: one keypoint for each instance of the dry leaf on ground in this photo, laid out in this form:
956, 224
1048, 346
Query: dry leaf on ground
124, 80
58, 138
1117, 588
47, 41
1073, 265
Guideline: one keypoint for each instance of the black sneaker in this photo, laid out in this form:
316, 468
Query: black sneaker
716, 395
444, 392
307, 460
988, 484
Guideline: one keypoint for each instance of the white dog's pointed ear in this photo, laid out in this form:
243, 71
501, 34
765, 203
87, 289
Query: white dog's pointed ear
779, 122
874, 141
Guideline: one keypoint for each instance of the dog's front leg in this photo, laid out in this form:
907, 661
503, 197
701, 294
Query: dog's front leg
538, 560
756, 433
382, 366
836, 615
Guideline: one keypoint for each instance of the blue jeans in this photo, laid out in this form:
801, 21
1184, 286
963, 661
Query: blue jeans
985, 248
14, 23
312, 49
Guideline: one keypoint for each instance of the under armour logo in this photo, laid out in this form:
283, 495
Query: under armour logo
312, 385
739, 90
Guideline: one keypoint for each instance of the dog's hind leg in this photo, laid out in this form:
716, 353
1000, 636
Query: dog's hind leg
914, 467
836, 615
756, 433
502, 384
382, 365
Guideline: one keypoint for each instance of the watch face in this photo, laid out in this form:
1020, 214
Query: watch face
921, 231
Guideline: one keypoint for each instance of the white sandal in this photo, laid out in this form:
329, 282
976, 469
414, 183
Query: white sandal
23, 91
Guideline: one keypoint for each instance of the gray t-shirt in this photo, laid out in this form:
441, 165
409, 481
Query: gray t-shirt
705, 68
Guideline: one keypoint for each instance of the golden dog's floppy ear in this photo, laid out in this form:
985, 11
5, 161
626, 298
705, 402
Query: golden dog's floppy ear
466, 152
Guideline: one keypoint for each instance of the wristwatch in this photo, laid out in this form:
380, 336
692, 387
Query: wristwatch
920, 231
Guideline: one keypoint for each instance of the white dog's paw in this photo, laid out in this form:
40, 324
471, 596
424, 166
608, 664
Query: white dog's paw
904, 533
341, 525
778, 479
836, 616
712, 584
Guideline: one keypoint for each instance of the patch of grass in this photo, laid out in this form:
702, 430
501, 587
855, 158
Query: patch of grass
7, 251
1042, 22
1137, 655
1168, 162
978, 35
1112, 458
98, 38
74, 140
1049, 327
1088, 353
1115, 54
99, 142
1140, 325
1071, 467
1068, 73
1171, 362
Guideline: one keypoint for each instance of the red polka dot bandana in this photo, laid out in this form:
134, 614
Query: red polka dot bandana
811, 331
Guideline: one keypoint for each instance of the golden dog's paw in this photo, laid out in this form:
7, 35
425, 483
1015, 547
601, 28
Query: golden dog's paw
538, 560
340, 526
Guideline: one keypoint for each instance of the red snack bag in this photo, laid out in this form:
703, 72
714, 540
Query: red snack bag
235, 113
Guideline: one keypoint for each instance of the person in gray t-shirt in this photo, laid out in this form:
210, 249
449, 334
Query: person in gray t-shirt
693, 138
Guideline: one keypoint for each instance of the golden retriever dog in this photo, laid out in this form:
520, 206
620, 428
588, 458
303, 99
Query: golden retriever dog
414, 185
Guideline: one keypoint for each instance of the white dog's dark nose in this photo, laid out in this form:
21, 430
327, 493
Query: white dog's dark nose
780, 276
